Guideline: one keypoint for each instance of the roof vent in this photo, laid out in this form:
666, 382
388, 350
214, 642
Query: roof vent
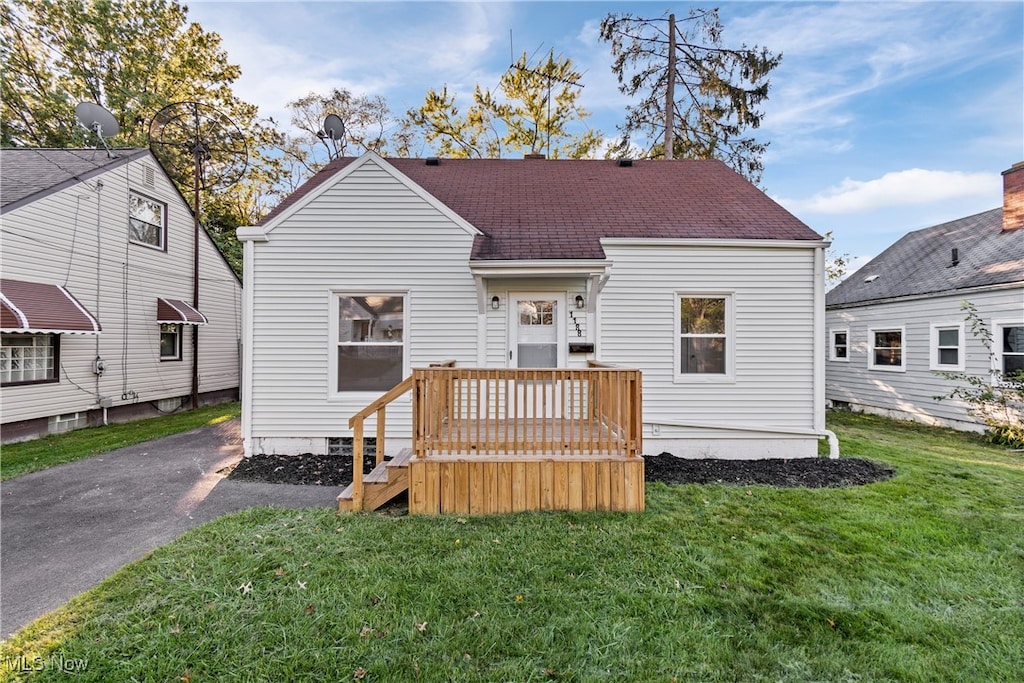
433, 161
956, 257
534, 155
870, 278
626, 163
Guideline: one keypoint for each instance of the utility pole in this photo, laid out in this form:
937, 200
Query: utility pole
670, 89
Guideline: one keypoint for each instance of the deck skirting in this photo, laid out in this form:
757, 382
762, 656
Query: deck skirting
495, 485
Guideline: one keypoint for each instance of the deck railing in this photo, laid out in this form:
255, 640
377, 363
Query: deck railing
480, 411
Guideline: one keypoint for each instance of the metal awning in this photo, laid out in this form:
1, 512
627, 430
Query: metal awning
177, 312
40, 308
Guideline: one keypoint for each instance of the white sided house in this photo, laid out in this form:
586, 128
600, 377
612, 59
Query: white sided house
98, 314
897, 323
680, 269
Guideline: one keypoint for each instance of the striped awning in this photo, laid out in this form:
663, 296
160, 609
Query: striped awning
177, 312
40, 308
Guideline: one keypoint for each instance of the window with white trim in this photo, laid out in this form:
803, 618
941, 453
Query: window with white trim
370, 342
839, 345
29, 358
704, 337
1009, 347
886, 350
147, 221
947, 347
170, 341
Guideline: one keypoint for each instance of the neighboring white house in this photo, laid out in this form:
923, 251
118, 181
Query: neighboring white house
97, 294
681, 269
898, 321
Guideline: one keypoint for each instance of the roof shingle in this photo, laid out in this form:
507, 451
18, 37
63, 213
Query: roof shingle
921, 262
558, 209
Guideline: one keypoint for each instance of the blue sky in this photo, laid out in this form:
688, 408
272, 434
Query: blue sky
884, 117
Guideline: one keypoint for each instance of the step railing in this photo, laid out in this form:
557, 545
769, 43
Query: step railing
488, 411
356, 424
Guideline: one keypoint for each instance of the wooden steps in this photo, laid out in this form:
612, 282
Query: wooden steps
386, 481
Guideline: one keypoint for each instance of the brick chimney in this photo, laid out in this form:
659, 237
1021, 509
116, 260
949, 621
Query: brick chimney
1013, 197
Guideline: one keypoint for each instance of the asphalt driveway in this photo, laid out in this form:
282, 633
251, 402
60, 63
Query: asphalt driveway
65, 529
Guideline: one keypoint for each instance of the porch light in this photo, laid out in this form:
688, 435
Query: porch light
580, 302
495, 302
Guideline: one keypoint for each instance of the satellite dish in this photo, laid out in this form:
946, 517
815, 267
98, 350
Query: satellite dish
97, 119
197, 144
334, 127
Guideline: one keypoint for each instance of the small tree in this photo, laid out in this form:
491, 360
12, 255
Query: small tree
997, 399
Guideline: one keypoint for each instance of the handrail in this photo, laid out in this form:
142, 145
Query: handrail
396, 391
356, 424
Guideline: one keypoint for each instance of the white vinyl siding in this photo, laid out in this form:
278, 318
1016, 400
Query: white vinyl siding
772, 292
85, 248
369, 233
909, 394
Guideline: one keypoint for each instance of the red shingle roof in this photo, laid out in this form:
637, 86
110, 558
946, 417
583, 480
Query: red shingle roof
547, 209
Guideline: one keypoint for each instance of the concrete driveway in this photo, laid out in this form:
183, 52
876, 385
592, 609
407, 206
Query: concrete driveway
65, 529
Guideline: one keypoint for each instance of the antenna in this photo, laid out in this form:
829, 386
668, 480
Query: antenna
192, 139
334, 130
96, 119
551, 79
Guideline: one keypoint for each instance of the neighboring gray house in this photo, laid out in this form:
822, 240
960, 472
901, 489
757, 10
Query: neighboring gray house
898, 321
681, 269
96, 310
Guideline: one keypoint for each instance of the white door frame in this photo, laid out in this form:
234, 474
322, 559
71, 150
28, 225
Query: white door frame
560, 321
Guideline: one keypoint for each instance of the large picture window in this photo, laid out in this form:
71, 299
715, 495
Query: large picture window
147, 221
370, 342
886, 352
704, 344
29, 358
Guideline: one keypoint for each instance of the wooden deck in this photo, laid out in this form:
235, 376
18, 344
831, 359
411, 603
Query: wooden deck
491, 441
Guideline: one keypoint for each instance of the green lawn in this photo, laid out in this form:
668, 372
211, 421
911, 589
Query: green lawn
30, 456
918, 578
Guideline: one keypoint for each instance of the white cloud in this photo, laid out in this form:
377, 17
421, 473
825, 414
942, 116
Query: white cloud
898, 188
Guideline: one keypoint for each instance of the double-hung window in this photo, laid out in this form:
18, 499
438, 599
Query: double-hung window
1009, 347
147, 221
704, 337
839, 347
886, 350
369, 342
29, 358
170, 341
947, 347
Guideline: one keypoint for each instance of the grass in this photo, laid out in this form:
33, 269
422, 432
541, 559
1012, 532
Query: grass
919, 578
31, 456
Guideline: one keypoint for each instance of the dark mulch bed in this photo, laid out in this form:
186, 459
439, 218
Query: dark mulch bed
336, 470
